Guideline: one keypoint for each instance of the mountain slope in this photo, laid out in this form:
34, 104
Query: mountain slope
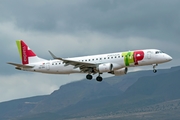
120, 94
18, 107
73, 93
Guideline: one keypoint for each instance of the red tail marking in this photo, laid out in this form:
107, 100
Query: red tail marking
26, 53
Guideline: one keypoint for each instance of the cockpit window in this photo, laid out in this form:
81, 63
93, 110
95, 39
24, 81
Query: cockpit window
157, 52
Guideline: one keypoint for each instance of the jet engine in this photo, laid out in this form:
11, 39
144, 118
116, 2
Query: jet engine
120, 71
106, 67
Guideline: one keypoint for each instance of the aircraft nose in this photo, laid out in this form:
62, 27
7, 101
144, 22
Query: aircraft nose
168, 58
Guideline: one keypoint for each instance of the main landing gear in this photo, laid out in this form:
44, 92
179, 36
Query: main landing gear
98, 78
89, 77
154, 68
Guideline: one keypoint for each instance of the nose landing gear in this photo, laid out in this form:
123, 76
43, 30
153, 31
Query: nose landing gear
154, 68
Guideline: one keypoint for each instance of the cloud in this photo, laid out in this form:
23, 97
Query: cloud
121, 18
81, 27
31, 84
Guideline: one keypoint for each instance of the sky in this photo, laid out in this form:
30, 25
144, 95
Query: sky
72, 28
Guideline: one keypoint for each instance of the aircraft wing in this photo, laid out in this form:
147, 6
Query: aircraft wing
20, 65
84, 66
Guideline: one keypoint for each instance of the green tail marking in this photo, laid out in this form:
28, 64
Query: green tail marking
18, 43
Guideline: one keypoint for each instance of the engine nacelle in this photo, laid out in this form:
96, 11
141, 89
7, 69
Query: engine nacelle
106, 67
120, 71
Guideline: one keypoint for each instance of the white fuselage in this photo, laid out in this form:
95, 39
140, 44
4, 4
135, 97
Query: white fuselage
119, 60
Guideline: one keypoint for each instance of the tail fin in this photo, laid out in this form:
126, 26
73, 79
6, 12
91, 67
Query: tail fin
26, 54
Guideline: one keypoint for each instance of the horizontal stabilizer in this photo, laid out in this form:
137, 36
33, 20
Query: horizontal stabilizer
20, 65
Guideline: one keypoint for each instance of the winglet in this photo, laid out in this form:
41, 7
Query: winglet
54, 56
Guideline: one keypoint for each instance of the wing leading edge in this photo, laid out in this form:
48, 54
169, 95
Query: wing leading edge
84, 66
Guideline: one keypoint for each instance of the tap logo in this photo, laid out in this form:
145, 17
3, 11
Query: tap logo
24, 55
25, 52
133, 57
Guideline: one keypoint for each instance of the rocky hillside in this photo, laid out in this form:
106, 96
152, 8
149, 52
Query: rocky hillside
127, 96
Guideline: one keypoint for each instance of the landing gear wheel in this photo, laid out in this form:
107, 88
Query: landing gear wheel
154, 70
99, 78
89, 77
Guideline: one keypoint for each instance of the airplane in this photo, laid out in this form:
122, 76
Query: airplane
113, 63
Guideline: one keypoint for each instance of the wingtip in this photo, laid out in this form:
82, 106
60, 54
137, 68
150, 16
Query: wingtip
52, 54
55, 57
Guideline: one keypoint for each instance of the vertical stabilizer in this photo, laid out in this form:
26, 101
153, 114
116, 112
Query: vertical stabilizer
26, 54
